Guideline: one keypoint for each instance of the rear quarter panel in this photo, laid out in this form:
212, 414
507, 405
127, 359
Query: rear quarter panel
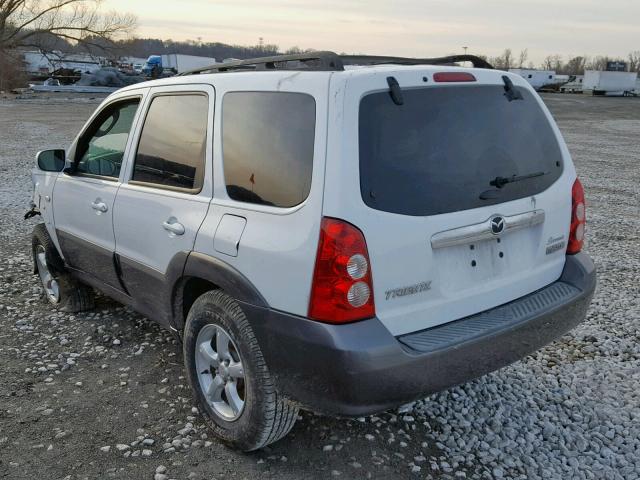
278, 245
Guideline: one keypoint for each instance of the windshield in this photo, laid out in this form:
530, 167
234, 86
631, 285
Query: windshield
440, 150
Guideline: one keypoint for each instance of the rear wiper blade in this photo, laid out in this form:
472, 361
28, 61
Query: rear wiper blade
510, 90
395, 91
500, 182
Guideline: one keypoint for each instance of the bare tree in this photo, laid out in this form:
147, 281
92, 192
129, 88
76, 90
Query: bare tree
634, 61
522, 59
508, 59
34, 23
575, 66
598, 63
11, 72
552, 62
504, 61
295, 50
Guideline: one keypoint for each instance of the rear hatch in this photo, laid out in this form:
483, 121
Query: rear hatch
444, 242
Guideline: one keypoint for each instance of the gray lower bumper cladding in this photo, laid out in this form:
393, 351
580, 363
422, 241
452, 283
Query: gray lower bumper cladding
360, 368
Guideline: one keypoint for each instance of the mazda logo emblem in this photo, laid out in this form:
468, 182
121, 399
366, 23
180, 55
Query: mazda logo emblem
497, 225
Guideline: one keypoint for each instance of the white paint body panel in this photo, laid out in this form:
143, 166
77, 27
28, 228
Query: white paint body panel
43, 183
277, 246
229, 234
72, 199
399, 245
140, 211
138, 216
72, 195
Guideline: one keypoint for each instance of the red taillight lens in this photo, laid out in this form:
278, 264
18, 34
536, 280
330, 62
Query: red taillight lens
578, 219
453, 77
342, 290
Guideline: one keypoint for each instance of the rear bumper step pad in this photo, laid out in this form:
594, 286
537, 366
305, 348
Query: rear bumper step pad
485, 323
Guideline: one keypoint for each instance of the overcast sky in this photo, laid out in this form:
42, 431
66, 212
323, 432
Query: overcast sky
401, 27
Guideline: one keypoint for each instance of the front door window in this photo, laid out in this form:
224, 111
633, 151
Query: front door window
101, 149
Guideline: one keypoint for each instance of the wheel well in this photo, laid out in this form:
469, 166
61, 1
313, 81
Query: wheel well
189, 292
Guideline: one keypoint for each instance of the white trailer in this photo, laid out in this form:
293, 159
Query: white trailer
609, 83
183, 63
537, 78
37, 63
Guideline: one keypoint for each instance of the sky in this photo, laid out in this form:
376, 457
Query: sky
400, 27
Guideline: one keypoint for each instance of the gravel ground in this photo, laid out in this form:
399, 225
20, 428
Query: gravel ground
102, 394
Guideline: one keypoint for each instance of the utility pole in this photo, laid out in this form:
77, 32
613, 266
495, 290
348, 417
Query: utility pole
465, 49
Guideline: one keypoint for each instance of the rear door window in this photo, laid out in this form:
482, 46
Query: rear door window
268, 143
171, 150
438, 152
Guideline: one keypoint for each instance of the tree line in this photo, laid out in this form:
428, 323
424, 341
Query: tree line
143, 47
572, 66
82, 26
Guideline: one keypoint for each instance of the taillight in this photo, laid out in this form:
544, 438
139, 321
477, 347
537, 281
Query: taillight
446, 77
342, 290
578, 219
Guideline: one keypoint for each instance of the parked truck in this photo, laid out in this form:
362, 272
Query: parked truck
609, 83
574, 85
174, 63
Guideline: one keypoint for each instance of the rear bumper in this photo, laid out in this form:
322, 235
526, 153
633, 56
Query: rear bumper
360, 368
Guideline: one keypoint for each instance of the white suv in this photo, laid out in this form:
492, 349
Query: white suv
340, 234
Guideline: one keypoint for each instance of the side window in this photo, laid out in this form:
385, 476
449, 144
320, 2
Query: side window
171, 151
101, 148
268, 143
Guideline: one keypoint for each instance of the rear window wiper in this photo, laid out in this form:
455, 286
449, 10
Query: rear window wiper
500, 182
395, 91
510, 90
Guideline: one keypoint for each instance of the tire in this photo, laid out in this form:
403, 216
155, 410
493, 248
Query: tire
60, 288
265, 416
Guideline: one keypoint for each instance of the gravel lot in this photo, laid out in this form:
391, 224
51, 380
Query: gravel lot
102, 394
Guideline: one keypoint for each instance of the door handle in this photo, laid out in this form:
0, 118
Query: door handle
99, 206
173, 226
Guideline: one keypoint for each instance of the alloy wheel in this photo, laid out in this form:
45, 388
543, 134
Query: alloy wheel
220, 372
49, 283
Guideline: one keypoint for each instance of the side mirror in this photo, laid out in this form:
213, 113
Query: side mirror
51, 160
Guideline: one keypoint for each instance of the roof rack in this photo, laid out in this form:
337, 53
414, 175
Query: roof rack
478, 62
317, 61
330, 62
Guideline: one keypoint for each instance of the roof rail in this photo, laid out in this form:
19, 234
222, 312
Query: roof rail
317, 61
330, 61
478, 62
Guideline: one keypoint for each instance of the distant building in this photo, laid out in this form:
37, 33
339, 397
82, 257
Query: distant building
616, 66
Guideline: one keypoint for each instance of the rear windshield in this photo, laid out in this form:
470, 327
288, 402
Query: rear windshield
439, 151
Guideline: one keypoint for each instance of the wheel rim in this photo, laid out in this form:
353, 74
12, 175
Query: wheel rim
49, 283
220, 372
